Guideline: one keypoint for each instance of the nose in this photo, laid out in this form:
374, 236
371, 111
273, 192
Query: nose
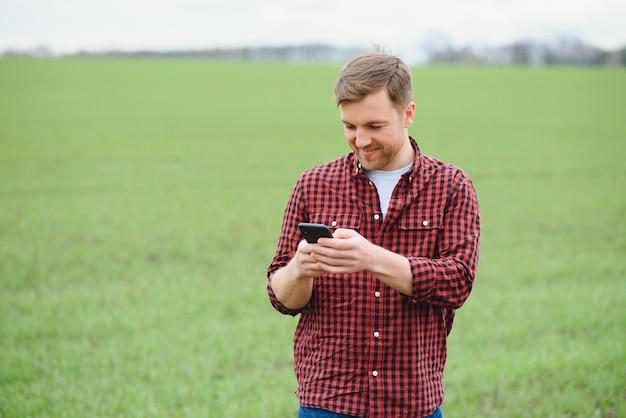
362, 139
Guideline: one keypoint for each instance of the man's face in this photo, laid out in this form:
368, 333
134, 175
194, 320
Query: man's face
377, 131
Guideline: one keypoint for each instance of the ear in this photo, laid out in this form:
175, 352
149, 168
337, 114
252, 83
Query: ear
409, 114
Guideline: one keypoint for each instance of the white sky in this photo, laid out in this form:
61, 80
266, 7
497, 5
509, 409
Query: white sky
71, 25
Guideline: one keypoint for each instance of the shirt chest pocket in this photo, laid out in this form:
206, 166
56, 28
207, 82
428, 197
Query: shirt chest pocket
419, 232
337, 220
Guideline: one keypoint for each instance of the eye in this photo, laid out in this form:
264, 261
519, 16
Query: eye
348, 126
376, 127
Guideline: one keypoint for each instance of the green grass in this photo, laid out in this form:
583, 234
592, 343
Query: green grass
141, 200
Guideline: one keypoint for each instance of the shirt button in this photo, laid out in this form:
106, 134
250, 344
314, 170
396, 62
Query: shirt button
376, 334
371, 184
425, 223
377, 294
377, 217
375, 373
333, 223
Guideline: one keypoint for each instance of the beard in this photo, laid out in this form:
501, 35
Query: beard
380, 160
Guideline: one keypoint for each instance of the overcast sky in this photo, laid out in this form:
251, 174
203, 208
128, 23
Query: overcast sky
71, 25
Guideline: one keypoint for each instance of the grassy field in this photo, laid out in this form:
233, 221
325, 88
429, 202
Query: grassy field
141, 200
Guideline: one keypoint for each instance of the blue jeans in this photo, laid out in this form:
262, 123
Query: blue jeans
305, 412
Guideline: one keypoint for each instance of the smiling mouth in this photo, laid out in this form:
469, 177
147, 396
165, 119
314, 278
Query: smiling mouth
369, 153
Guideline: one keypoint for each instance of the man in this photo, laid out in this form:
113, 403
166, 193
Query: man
377, 301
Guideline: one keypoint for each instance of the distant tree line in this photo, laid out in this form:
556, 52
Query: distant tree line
435, 49
308, 53
295, 53
561, 51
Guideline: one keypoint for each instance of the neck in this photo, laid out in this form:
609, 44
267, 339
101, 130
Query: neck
406, 156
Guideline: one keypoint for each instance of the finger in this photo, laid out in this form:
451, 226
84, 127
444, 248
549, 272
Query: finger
344, 233
335, 258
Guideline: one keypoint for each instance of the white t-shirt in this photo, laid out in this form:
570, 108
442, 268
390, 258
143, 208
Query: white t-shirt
385, 182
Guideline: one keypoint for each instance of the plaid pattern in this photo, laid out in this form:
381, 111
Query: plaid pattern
361, 348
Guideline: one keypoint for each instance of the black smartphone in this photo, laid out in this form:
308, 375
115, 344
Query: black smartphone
313, 232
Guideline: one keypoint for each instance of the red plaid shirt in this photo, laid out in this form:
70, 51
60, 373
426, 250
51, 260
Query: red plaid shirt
362, 348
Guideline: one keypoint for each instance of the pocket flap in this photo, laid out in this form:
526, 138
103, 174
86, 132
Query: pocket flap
415, 219
337, 220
